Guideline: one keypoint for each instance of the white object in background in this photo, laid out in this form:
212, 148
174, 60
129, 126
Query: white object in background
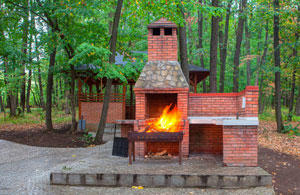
244, 102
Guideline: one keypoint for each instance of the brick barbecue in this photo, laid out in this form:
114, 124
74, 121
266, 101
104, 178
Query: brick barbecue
213, 123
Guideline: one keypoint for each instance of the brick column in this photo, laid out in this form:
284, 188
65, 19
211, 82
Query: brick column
182, 104
240, 145
140, 114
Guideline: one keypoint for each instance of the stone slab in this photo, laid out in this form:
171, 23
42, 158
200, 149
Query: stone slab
160, 180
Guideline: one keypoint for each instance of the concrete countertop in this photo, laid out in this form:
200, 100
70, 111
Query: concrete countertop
225, 121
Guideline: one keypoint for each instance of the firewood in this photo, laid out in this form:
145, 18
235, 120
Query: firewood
162, 153
144, 129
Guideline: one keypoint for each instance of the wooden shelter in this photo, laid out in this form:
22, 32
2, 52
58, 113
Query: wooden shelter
122, 100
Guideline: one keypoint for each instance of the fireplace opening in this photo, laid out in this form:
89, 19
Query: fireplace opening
157, 102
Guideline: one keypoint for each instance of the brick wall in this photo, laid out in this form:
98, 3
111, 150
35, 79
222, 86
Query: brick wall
91, 111
251, 95
207, 139
162, 47
240, 145
182, 105
224, 104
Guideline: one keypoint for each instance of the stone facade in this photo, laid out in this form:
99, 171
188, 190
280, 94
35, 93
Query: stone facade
161, 74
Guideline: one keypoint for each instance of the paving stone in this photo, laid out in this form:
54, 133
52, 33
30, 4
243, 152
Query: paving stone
58, 178
212, 181
91, 179
229, 181
177, 181
160, 180
75, 179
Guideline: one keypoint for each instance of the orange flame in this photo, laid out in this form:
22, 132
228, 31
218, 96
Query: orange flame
168, 121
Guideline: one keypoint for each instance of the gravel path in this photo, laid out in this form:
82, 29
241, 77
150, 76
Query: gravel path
26, 169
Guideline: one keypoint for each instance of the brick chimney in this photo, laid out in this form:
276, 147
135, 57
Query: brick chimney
162, 69
162, 41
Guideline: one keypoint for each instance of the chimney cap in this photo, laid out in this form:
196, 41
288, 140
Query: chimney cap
162, 23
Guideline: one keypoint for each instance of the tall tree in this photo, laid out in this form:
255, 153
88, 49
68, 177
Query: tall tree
260, 73
41, 95
223, 52
213, 51
239, 38
31, 27
183, 48
292, 96
297, 108
247, 33
277, 67
200, 45
113, 44
52, 48
24, 50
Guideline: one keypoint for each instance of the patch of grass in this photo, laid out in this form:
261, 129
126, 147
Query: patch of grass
267, 115
37, 116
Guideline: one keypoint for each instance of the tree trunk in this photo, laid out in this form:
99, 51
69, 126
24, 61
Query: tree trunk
200, 33
297, 108
1, 104
213, 51
49, 125
247, 33
29, 74
113, 43
277, 66
13, 105
28, 92
42, 101
239, 38
258, 58
292, 95
260, 74
291, 105
72, 97
223, 52
12, 100
183, 52
67, 98
190, 36
24, 50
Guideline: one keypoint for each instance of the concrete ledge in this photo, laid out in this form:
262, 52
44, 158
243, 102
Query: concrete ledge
225, 121
160, 180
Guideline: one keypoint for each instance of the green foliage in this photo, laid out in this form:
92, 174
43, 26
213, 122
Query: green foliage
291, 130
88, 138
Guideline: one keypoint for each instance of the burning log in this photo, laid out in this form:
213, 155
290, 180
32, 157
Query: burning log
163, 155
169, 121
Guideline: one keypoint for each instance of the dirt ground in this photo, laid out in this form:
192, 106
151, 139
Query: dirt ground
37, 136
284, 168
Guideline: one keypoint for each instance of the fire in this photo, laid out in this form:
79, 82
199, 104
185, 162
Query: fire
168, 121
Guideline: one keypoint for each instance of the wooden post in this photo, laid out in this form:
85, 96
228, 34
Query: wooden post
79, 100
129, 152
133, 148
131, 103
180, 152
195, 83
124, 102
